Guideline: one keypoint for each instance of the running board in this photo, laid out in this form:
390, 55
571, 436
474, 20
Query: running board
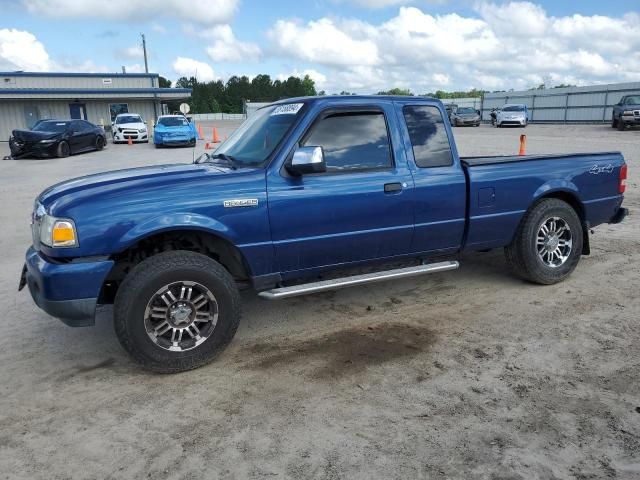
323, 285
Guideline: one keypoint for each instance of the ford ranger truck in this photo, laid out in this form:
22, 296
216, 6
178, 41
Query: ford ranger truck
308, 194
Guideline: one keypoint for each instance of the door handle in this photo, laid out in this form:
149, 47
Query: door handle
392, 187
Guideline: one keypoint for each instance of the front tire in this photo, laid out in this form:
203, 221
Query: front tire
176, 311
548, 243
63, 150
614, 122
99, 143
620, 125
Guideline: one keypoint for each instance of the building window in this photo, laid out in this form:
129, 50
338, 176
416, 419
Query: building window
116, 109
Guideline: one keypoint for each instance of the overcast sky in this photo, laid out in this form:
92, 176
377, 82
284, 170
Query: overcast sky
356, 45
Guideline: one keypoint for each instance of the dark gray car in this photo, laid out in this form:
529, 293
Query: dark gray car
465, 116
626, 112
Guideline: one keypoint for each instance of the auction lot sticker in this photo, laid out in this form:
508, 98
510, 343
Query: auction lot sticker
288, 109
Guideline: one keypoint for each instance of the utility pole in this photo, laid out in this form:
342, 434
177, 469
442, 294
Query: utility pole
144, 49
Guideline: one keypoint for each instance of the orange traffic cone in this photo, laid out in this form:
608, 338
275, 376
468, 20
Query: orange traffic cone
200, 135
129, 141
216, 138
523, 145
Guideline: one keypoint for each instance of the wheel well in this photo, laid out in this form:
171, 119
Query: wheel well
192, 240
572, 200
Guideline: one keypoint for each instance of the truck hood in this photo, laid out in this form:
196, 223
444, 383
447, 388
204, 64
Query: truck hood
105, 183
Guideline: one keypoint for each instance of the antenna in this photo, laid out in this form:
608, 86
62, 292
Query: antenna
144, 50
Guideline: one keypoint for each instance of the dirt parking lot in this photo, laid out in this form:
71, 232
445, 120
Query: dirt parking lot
472, 374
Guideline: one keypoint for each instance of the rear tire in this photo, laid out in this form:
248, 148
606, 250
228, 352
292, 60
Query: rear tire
63, 150
529, 254
141, 330
99, 143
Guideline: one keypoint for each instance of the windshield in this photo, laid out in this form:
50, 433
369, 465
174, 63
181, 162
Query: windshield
128, 119
258, 136
513, 108
632, 100
57, 127
466, 110
173, 122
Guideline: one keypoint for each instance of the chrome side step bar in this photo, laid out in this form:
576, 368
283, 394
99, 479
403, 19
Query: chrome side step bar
323, 285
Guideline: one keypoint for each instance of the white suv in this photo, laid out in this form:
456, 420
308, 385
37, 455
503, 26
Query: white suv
129, 125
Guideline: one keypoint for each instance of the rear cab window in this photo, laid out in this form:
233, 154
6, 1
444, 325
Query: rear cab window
428, 135
352, 140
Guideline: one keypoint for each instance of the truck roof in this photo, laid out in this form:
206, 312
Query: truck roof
348, 98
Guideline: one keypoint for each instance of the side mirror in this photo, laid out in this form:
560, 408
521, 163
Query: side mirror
307, 160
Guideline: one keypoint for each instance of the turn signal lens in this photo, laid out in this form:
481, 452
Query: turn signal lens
56, 232
63, 234
622, 186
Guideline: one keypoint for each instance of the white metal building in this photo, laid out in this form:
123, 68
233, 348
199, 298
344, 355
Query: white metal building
565, 105
26, 97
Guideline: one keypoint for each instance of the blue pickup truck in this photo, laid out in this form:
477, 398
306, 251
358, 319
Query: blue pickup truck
309, 194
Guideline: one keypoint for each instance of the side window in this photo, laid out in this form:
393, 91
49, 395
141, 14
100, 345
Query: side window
77, 126
428, 136
352, 141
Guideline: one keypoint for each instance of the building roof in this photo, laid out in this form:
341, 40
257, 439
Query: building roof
93, 93
77, 74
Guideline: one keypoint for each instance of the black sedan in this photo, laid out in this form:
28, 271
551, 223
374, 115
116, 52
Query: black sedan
57, 138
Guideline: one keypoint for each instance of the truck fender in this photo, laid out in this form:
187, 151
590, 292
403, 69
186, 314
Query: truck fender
554, 186
174, 221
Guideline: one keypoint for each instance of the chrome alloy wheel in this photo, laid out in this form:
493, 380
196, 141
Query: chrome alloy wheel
554, 242
180, 316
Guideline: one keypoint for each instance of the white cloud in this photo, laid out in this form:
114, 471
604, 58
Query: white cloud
188, 67
21, 50
204, 12
324, 42
227, 48
504, 45
131, 52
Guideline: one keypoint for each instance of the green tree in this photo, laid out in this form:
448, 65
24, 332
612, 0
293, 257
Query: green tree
397, 91
309, 86
163, 82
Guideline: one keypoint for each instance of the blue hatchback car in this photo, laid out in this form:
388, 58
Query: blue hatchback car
174, 130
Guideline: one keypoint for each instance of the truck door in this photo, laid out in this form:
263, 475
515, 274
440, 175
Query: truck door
359, 209
439, 200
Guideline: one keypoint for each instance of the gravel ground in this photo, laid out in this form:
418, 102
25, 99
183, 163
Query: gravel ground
471, 374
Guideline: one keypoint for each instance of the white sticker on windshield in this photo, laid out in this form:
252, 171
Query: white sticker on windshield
288, 109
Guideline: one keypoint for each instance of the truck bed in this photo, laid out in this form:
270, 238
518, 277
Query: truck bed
496, 159
502, 188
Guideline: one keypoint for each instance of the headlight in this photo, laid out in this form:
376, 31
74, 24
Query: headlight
628, 112
51, 140
143, 130
58, 232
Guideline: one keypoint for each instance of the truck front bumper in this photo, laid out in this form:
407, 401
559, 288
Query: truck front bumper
68, 291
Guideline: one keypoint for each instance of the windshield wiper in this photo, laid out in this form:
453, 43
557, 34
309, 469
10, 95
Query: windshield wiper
227, 159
